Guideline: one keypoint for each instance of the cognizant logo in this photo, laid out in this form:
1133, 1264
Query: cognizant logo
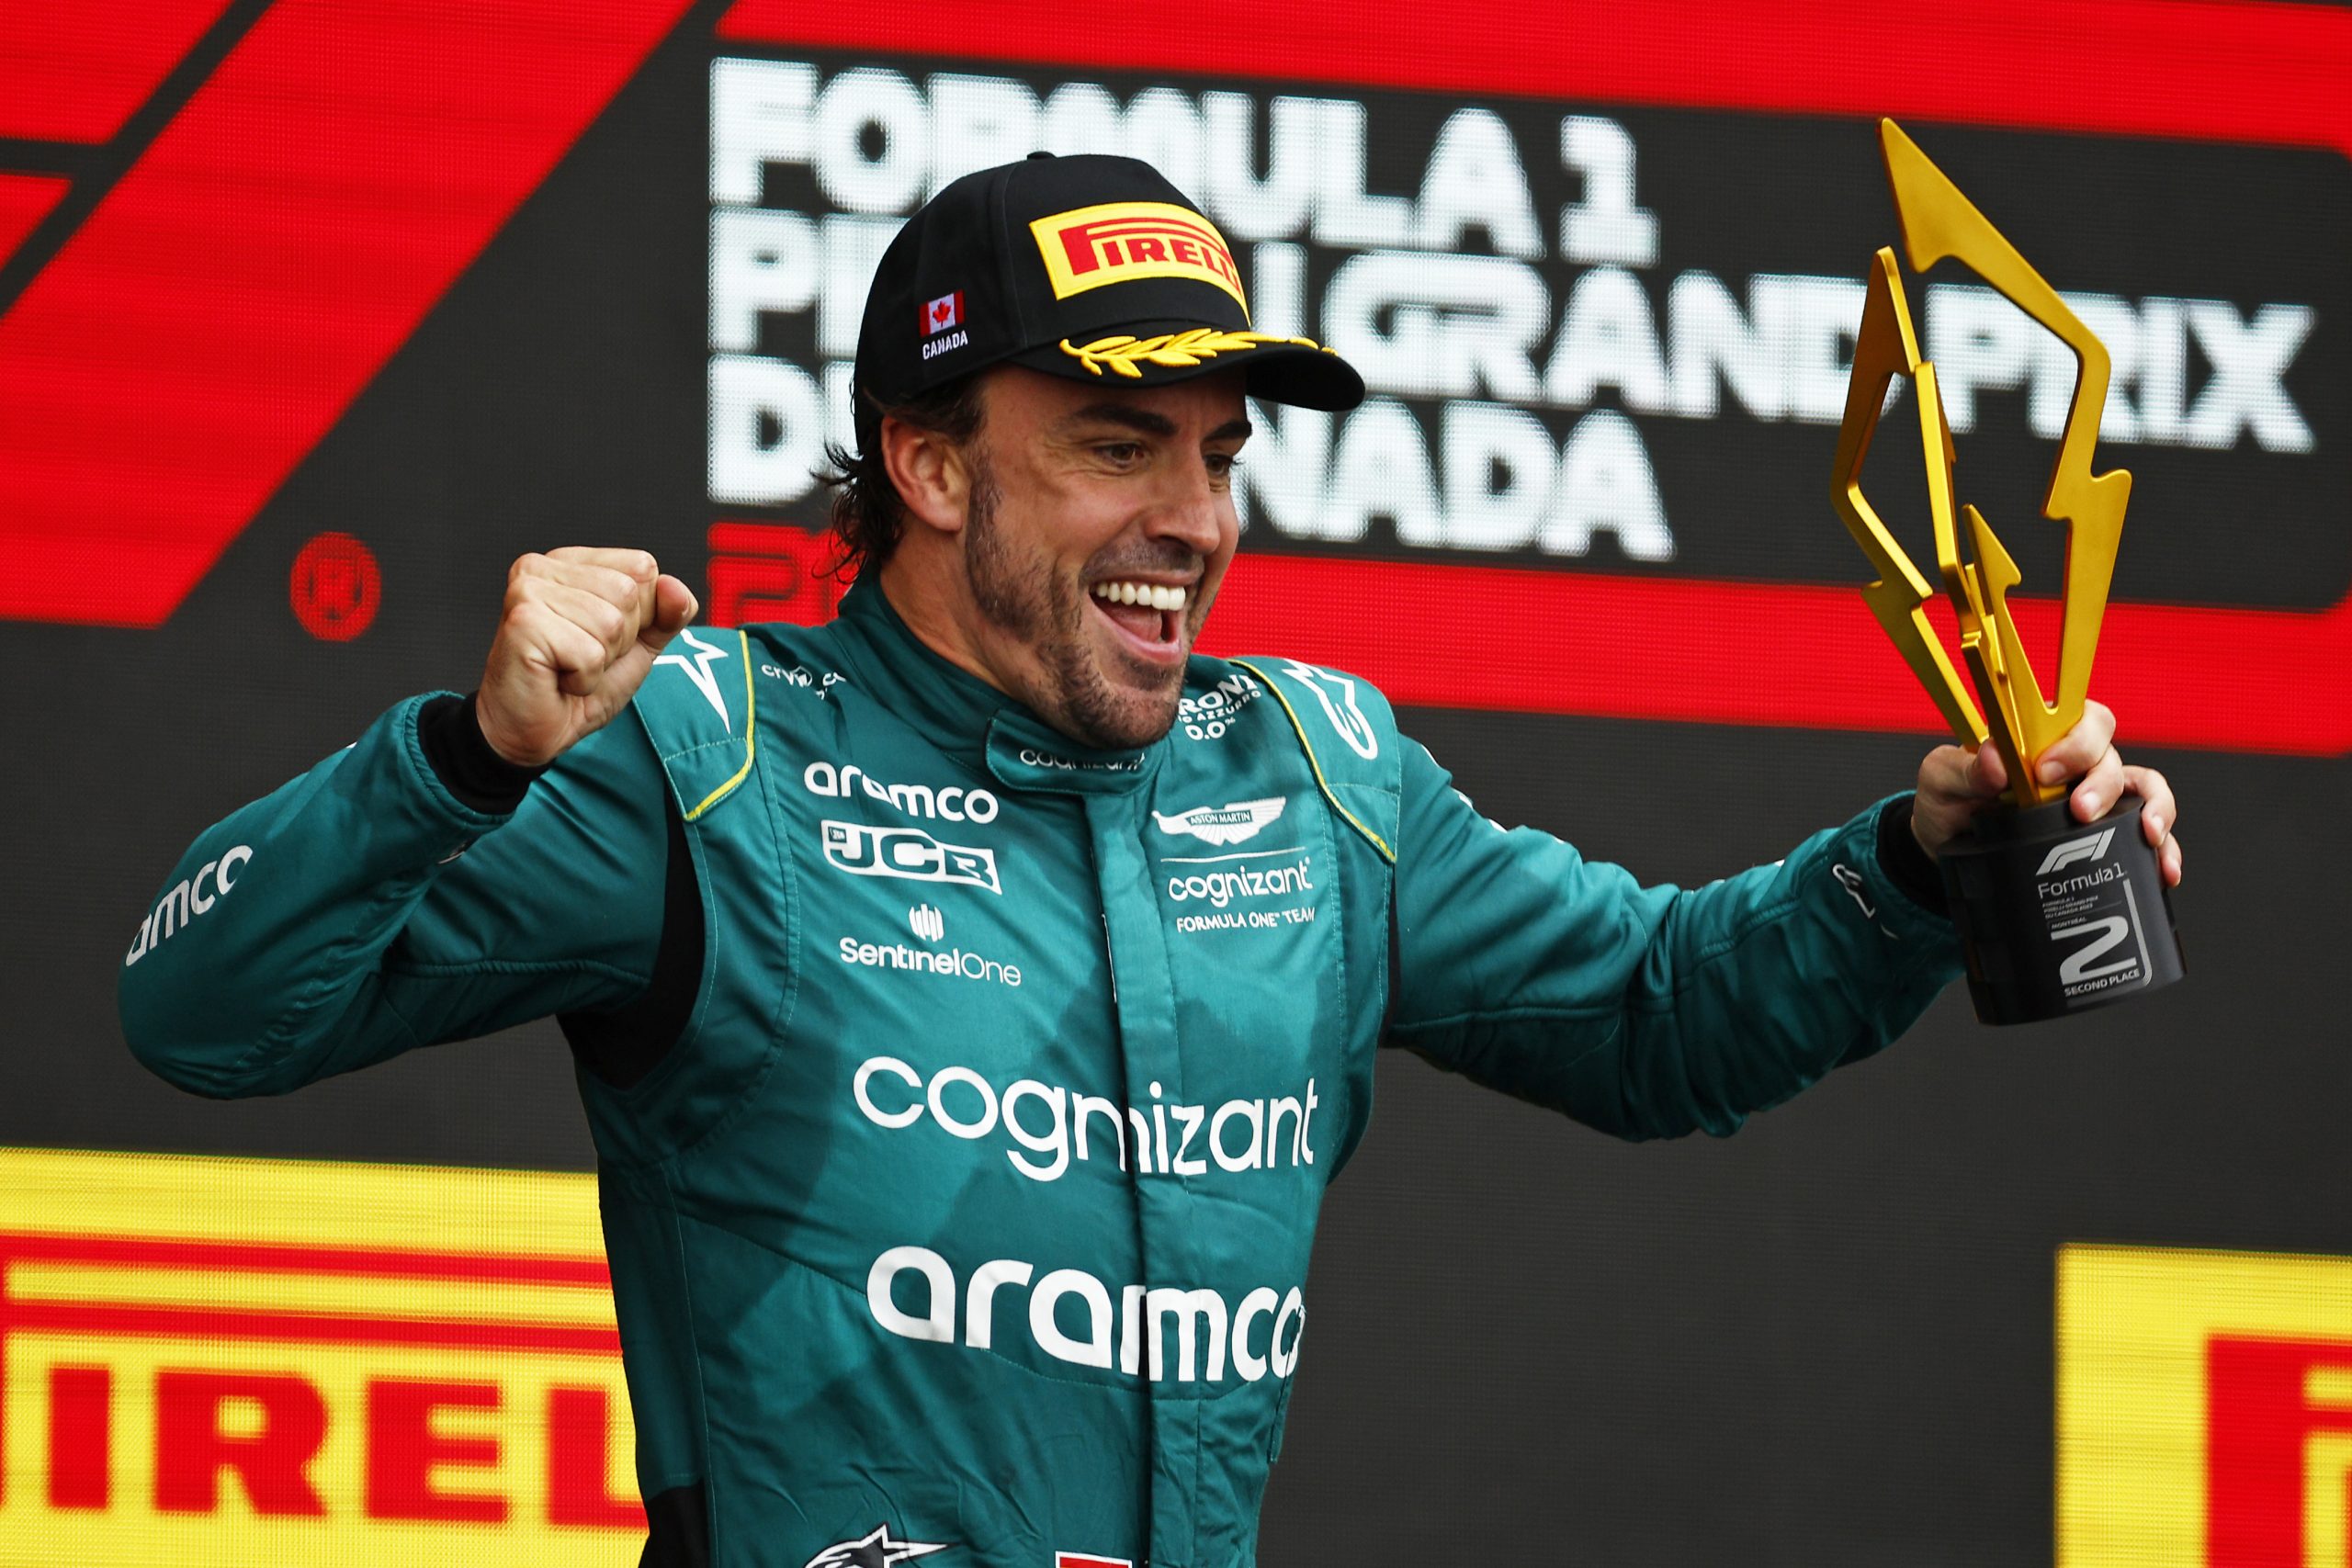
1052, 1125
912, 1293
186, 900
1222, 887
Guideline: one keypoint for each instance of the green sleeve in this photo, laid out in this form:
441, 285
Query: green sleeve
362, 910
1647, 1011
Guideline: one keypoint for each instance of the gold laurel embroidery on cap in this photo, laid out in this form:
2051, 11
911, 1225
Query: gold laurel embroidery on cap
1172, 351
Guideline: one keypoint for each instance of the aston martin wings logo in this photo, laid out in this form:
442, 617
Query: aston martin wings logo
874, 1549
1227, 824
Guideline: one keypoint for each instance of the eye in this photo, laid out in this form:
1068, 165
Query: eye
1120, 454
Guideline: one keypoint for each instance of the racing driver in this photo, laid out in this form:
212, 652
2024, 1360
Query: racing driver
973, 996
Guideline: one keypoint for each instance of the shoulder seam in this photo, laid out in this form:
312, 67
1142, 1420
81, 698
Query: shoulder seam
750, 734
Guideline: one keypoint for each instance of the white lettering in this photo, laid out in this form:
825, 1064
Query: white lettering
937, 1321
1094, 1350
980, 1317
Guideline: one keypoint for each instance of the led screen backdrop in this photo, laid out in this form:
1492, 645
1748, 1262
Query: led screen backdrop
313, 315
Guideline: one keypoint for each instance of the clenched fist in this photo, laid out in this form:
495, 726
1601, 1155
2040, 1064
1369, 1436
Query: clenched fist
580, 632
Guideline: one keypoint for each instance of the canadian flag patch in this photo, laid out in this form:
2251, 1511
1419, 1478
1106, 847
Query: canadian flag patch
1080, 1560
943, 314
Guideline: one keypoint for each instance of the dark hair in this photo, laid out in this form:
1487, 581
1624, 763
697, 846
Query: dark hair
868, 513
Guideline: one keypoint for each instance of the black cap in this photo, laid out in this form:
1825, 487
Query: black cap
1092, 268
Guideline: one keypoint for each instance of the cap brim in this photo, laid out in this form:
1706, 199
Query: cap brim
1156, 354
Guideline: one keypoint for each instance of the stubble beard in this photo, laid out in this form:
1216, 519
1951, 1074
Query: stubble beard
1028, 600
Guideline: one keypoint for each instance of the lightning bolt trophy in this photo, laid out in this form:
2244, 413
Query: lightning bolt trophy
2056, 915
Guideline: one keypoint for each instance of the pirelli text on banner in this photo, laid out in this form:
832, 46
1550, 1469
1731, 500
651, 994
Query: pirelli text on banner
2204, 1408
233, 1362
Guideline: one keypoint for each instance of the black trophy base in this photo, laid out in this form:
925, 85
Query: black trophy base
2056, 915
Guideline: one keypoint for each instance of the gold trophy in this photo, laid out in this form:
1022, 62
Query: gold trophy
2056, 915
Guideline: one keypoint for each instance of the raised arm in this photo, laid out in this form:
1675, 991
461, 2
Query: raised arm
416, 887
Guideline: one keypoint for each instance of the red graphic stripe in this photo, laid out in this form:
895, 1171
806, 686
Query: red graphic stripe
317, 196
2233, 73
302, 1327
275, 1257
1572, 643
74, 69
25, 200
1492, 637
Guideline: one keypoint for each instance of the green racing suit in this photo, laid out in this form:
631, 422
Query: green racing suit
970, 1209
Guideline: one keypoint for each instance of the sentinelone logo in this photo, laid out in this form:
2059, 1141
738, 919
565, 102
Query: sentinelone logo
225, 1361
2204, 1409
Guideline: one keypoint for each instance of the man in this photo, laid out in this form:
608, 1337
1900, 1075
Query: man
967, 1045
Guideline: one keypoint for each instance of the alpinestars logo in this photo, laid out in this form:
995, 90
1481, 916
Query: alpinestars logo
1227, 824
874, 1550
2091, 847
1337, 695
910, 852
696, 667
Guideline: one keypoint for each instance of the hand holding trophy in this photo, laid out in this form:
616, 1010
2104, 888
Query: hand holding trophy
2055, 916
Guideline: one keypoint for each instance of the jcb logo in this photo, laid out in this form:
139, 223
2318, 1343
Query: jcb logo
241, 1361
910, 852
2204, 1409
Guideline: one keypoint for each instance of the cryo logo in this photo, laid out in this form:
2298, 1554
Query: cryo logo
2089, 847
908, 853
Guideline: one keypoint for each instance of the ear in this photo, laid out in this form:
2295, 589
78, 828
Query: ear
929, 473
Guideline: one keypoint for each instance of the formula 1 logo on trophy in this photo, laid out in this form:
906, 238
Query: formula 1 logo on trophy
2056, 915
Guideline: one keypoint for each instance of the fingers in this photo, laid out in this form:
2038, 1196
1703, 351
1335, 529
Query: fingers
619, 588
2157, 817
673, 608
1953, 786
2100, 788
1987, 774
635, 565
570, 648
2078, 751
552, 642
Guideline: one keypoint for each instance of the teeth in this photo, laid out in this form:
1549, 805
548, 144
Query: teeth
1153, 595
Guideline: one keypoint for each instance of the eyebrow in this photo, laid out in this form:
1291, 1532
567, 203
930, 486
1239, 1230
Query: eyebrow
1149, 423
1142, 420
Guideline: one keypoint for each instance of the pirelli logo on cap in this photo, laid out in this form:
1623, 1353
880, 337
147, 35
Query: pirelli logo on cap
1120, 242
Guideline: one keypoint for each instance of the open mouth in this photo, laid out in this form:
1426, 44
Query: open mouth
1149, 615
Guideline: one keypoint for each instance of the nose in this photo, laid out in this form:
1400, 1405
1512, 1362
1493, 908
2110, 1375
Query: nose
1194, 510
